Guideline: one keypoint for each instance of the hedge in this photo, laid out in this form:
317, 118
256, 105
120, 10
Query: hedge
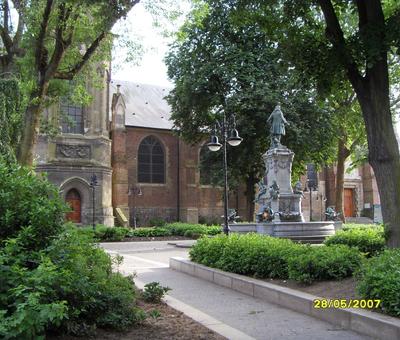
369, 240
379, 278
267, 257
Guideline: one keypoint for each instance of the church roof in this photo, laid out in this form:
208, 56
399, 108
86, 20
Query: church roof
145, 104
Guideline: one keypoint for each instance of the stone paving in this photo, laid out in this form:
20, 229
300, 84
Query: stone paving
237, 316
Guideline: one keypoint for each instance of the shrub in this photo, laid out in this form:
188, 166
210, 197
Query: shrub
368, 240
179, 229
268, 257
71, 290
157, 222
29, 200
379, 278
153, 292
149, 232
249, 254
324, 263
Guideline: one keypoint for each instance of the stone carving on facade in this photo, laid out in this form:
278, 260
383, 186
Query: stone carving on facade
73, 151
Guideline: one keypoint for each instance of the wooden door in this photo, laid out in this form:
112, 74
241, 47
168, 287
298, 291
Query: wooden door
348, 203
73, 199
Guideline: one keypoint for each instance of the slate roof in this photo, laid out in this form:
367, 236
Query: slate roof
145, 104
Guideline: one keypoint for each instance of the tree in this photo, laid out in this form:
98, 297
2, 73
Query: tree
53, 40
354, 40
219, 67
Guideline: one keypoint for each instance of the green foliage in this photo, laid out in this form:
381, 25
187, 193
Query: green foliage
379, 278
324, 263
149, 232
154, 313
53, 278
157, 222
71, 289
29, 204
268, 257
10, 118
180, 229
153, 292
369, 240
218, 66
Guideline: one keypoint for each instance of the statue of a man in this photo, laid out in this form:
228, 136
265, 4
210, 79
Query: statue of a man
277, 125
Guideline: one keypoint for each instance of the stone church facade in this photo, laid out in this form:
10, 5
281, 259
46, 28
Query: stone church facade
124, 139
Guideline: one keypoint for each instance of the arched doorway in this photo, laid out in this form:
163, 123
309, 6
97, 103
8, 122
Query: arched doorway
73, 199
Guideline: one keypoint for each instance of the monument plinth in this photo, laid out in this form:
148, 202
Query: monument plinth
279, 211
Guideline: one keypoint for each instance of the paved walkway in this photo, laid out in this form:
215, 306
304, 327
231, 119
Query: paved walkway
228, 312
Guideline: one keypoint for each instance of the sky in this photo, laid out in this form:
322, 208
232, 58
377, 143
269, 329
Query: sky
151, 68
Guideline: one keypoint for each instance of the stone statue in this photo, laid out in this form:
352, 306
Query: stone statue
298, 189
262, 190
277, 126
331, 214
273, 191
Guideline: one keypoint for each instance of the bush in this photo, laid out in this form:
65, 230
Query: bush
179, 229
71, 290
324, 263
28, 200
157, 222
268, 257
379, 278
153, 292
149, 232
368, 240
53, 278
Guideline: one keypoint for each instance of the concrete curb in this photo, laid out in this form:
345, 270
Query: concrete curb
359, 320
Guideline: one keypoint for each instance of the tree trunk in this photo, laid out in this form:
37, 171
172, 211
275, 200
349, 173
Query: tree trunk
250, 193
31, 127
383, 147
343, 153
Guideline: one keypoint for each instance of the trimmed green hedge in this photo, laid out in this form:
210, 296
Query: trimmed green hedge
379, 278
369, 240
324, 263
268, 257
192, 230
103, 233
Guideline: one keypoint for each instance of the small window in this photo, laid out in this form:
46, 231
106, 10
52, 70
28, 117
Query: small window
151, 161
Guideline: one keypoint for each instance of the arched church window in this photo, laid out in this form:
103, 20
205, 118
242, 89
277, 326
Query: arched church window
73, 199
151, 161
71, 114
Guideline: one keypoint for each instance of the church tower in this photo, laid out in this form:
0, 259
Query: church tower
78, 159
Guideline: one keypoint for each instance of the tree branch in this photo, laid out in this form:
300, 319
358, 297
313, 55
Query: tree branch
69, 75
41, 54
61, 44
335, 35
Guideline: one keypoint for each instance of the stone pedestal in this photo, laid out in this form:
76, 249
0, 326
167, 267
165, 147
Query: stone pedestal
278, 168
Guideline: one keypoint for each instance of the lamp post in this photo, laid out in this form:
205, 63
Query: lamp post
134, 191
214, 145
93, 184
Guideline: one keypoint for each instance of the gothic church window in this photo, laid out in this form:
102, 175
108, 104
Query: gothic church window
151, 161
72, 117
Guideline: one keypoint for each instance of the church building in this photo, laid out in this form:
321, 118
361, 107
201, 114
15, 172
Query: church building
120, 162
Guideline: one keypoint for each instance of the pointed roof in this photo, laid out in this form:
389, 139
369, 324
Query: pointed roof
145, 104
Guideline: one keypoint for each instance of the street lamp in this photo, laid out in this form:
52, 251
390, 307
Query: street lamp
93, 184
234, 140
134, 191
